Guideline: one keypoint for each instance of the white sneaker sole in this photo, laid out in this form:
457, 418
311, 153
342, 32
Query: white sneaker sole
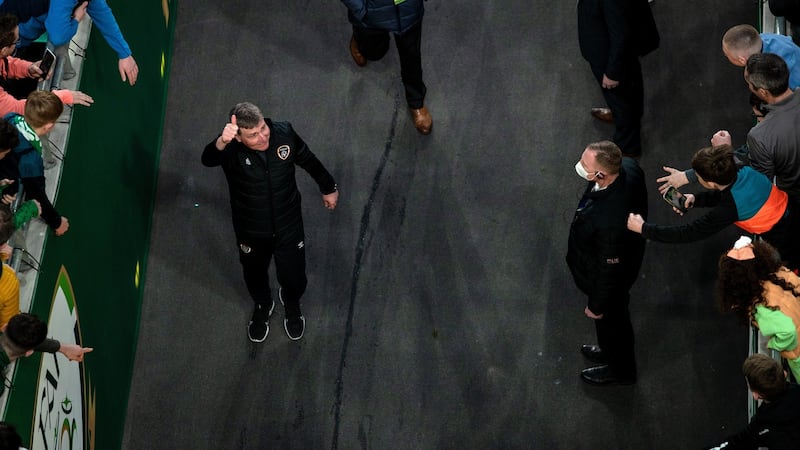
286, 328
271, 308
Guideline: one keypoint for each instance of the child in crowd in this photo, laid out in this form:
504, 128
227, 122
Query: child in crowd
41, 113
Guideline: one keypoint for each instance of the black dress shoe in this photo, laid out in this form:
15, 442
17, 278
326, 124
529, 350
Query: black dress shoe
604, 376
593, 353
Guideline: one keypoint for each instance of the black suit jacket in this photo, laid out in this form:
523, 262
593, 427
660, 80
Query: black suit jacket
611, 32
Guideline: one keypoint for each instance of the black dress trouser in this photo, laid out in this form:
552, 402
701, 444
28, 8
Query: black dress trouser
374, 43
626, 102
615, 337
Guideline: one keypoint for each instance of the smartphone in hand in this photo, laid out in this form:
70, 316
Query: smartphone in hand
47, 62
675, 199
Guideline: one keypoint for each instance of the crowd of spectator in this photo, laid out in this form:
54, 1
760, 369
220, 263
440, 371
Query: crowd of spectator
755, 187
29, 112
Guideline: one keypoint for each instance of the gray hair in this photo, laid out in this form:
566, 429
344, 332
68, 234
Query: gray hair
247, 115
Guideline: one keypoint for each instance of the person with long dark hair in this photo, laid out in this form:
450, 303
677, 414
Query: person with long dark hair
754, 284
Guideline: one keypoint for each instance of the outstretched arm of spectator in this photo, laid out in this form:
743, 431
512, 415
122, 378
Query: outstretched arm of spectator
128, 70
35, 189
74, 352
676, 178
74, 97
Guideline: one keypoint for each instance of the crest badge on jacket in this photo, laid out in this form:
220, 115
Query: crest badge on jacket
283, 152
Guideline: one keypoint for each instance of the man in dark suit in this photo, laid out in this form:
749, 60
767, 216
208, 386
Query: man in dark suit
613, 34
604, 258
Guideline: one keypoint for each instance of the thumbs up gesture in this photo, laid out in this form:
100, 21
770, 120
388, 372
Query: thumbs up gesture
230, 131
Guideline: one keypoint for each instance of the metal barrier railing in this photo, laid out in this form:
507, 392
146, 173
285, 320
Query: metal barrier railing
768, 23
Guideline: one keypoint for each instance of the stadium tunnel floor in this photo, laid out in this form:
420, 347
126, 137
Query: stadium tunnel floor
440, 312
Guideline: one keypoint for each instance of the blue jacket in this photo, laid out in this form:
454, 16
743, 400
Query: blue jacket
384, 14
60, 26
784, 47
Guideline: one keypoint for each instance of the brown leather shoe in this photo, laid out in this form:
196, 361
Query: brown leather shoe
356, 53
603, 115
423, 121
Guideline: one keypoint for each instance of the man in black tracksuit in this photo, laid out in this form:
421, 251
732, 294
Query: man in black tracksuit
604, 257
258, 157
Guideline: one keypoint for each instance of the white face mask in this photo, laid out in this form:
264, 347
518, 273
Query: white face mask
583, 173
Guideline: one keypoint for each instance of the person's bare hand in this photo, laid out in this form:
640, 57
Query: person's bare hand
675, 178
63, 227
591, 315
688, 203
8, 199
80, 11
608, 83
80, 98
635, 223
330, 200
229, 132
74, 352
38, 206
35, 70
128, 70
721, 137
5, 253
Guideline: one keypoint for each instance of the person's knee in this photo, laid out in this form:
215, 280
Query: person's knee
295, 286
375, 53
373, 47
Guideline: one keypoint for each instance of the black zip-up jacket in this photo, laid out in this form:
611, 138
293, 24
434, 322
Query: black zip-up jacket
603, 255
265, 201
775, 425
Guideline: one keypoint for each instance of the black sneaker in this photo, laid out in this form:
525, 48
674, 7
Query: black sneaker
294, 326
258, 329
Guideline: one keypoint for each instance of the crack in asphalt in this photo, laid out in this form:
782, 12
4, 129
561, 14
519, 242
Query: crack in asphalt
362, 234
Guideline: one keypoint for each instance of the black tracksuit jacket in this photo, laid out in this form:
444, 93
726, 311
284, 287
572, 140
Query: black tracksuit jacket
265, 201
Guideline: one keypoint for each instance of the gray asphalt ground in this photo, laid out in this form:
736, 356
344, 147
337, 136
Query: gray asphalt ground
440, 312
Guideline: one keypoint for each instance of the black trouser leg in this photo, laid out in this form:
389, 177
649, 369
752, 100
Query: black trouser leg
615, 338
255, 257
409, 48
290, 268
373, 44
626, 102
